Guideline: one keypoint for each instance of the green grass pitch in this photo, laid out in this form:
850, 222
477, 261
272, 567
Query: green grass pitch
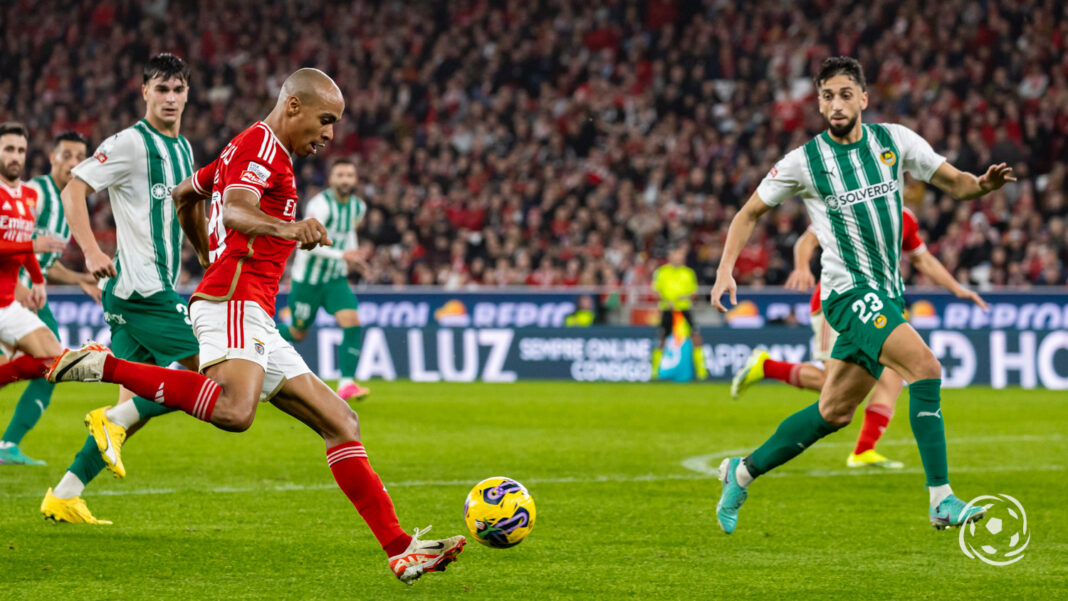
208, 515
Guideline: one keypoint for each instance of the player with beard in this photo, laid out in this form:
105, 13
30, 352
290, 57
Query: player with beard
851, 179
320, 276
20, 328
68, 150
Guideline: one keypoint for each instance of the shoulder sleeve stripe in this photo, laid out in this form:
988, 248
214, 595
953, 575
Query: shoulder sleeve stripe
196, 187
255, 191
263, 143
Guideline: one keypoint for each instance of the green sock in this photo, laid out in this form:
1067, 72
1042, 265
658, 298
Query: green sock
147, 408
88, 462
658, 353
32, 404
795, 434
925, 415
349, 351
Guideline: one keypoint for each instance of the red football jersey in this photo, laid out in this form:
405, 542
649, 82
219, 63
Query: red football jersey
18, 218
910, 243
249, 267
910, 233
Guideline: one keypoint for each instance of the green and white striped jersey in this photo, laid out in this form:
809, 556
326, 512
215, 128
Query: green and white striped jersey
852, 193
339, 218
139, 166
51, 221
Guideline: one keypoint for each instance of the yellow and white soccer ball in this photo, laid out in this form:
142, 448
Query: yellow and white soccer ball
499, 512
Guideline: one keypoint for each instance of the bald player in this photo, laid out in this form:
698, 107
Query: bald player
249, 235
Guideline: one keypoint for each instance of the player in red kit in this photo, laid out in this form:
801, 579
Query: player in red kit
20, 328
249, 235
807, 376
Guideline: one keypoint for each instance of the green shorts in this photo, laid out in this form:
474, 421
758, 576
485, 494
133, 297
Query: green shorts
45, 315
153, 330
305, 300
863, 318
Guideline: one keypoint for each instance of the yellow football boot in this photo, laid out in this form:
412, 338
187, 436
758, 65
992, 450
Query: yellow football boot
871, 458
750, 373
72, 510
109, 437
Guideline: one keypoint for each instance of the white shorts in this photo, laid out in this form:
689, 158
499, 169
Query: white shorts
16, 321
243, 330
826, 336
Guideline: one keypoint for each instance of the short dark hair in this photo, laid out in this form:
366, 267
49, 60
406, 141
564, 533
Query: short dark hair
70, 136
841, 65
342, 161
165, 66
14, 127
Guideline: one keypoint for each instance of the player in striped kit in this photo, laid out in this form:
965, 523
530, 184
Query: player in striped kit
851, 178
68, 150
320, 276
149, 321
881, 404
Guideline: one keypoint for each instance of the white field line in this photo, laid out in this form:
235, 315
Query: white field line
703, 467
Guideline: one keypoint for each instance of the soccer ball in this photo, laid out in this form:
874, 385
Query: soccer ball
499, 512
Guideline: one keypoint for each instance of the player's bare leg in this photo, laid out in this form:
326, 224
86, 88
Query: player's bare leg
312, 402
38, 348
877, 416
907, 354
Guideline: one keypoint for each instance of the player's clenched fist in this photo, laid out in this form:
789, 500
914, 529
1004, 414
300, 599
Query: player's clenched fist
309, 233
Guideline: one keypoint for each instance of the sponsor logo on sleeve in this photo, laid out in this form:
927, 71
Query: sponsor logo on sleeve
256, 174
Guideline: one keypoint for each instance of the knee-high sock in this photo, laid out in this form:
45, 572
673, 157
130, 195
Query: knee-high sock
24, 368
88, 462
795, 434
32, 404
783, 371
176, 388
925, 415
349, 351
147, 408
876, 419
360, 483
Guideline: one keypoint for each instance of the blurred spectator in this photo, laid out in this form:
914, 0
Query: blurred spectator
583, 138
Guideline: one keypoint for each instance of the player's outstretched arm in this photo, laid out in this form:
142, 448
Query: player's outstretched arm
73, 196
929, 265
241, 212
189, 205
801, 277
738, 235
966, 186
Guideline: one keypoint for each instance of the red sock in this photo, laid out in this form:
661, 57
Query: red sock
24, 368
783, 371
876, 418
176, 388
364, 488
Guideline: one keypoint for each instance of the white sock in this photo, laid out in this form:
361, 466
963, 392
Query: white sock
741, 474
939, 493
69, 487
343, 382
124, 414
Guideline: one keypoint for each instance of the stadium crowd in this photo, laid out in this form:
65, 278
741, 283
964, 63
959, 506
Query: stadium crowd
560, 142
